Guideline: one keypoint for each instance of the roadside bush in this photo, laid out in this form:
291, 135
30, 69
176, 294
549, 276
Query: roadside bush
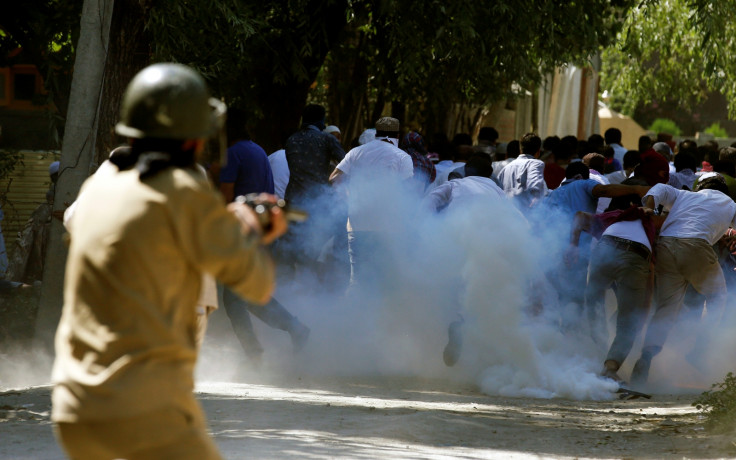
665, 125
719, 404
716, 130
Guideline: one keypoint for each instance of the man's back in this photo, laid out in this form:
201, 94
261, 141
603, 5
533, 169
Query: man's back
248, 169
308, 154
137, 254
523, 179
706, 214
573, 196
376, 172
468, 188
280, 171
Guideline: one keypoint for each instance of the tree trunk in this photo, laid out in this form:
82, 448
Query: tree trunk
77, 151
129, 51
347, 79
281, 103
282, 109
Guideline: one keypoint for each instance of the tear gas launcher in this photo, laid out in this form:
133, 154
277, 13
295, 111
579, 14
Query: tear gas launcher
263, 208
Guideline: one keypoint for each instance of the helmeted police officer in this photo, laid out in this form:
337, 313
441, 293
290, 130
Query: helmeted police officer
141, 238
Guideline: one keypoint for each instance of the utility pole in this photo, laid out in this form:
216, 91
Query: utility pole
77, 153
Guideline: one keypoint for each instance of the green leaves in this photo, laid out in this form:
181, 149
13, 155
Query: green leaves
672, 50
719, 404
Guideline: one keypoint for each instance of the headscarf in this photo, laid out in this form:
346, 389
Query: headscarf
413, 144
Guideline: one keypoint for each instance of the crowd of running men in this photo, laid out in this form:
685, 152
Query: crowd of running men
654, 224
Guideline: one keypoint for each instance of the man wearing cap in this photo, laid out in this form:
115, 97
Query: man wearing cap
696, 221
334, 130
374, 174
141, 240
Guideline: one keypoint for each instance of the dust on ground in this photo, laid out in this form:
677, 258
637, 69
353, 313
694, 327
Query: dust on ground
395, 417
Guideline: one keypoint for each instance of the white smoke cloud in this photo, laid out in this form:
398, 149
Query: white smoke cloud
480, 260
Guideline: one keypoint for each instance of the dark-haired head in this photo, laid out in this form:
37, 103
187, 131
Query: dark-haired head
645, 143
314, 114
236, 125
685, 160
612, 136
631, 159
488, 134
577, 168
479, 164
513, 149
530, 144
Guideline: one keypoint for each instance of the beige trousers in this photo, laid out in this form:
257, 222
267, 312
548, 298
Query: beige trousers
168, 433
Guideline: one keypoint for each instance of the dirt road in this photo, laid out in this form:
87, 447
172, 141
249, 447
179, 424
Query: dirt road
402, 418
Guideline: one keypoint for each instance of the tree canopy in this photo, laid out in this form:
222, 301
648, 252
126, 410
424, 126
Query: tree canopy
672, 50
47, 31
425, 57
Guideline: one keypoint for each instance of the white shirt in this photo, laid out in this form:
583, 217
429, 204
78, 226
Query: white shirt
523, 179
375, 172
686, 178
603, 201
444, 168
619, 152
499, 165
280, 171
457, 190
617, 177
706, 214
631, 230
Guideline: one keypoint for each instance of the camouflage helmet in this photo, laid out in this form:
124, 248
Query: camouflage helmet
169, 101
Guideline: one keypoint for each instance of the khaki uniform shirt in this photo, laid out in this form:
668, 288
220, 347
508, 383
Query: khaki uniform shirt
126, 341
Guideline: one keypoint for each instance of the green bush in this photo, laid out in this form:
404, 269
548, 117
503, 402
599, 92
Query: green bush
665, 125
716, 130
719, 404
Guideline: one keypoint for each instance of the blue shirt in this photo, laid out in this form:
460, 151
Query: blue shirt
573, 196
567, 199
248, 169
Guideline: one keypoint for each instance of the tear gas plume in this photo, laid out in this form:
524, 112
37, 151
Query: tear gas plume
478, 259
24, 366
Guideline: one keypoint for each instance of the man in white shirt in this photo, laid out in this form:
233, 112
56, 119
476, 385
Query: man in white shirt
523, 178
512, 152
280, 171
685, 166
597, 162
476, 184
696, 221
613, 138
373, 174
631, 160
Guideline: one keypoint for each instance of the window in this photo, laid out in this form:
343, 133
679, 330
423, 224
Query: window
24, 86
